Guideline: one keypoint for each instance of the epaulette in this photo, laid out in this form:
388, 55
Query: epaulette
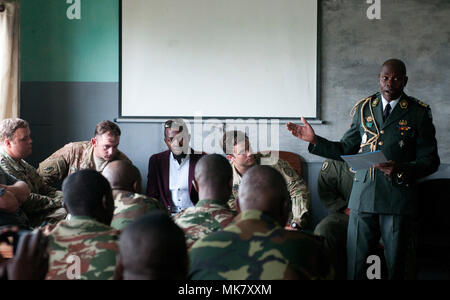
353, 110
420, 102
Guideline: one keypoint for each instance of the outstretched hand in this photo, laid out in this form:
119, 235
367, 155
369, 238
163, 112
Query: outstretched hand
305, 133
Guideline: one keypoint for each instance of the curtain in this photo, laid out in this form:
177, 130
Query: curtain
9, 58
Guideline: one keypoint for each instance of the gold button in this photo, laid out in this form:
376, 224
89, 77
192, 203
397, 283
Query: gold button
382, 132
380, 143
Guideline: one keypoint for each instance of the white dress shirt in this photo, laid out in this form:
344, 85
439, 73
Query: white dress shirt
393, 103
179, 183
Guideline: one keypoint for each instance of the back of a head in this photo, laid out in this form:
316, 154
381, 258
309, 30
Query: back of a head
153, 247
87, 193
122, 175
264, 188
214, 172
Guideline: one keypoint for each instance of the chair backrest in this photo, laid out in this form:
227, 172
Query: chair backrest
293, 159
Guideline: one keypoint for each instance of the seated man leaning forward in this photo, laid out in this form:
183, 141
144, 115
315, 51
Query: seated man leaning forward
152, 248
125, 181
94, 154
170, 173
84, 247
237, 147
213, 181
44, 202
256, 246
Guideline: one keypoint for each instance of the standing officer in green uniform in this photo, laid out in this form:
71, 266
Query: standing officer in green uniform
384, 198
334, 186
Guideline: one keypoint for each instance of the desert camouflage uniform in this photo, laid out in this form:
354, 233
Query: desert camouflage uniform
69, 159
256, 247
44, 202
296, 186
206, 217
129, 206
83, 238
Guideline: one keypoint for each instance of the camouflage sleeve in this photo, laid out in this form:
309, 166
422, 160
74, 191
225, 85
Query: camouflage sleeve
37, 203
56, 167
233, 197
299, 193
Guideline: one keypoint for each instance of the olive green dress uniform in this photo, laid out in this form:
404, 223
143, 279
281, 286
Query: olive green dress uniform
334, 185
382, 205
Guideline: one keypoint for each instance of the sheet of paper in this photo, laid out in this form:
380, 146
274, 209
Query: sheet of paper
364, 160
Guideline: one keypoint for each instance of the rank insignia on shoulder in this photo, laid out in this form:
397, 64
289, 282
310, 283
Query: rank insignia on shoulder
423, 104
404, 104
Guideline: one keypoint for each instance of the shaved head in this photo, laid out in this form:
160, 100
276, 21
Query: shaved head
88, 193
122, 175
397, 65
263, 188
213, 177
153, 247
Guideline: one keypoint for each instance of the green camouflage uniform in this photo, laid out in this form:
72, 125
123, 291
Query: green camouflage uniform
129, 206
296, 185
17, 218
44, 202
94, 243
69, 159
255, 247
207, 216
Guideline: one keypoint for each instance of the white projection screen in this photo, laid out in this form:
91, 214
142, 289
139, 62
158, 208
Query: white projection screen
219, 58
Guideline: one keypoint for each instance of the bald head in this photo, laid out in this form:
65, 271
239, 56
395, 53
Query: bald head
122, 175
397, 65
213, 177
87, 193
264, 188
153, 247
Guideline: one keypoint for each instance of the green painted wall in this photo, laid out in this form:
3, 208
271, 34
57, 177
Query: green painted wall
54, 48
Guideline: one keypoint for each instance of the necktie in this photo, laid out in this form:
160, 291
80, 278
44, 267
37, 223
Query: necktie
387, 111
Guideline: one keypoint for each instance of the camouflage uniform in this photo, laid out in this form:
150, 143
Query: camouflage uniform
296, 185
83, 238
255, 247
206, 217
69, 159
130, 206
44, 202
18, 218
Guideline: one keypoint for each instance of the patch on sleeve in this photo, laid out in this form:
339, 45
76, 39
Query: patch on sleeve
325, 165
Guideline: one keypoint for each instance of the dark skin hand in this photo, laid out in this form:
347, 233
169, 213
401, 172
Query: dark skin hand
31, 260
389, 168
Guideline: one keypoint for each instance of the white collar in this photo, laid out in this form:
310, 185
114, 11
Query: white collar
393, 103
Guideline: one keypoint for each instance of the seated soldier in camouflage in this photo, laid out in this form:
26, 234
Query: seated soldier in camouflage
125, 181
44, 202
256, 246
13, 193
334, 185
152, 248
94, 154
213, 182
84, 247
237, 147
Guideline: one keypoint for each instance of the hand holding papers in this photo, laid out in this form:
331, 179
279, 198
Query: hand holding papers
364, 160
